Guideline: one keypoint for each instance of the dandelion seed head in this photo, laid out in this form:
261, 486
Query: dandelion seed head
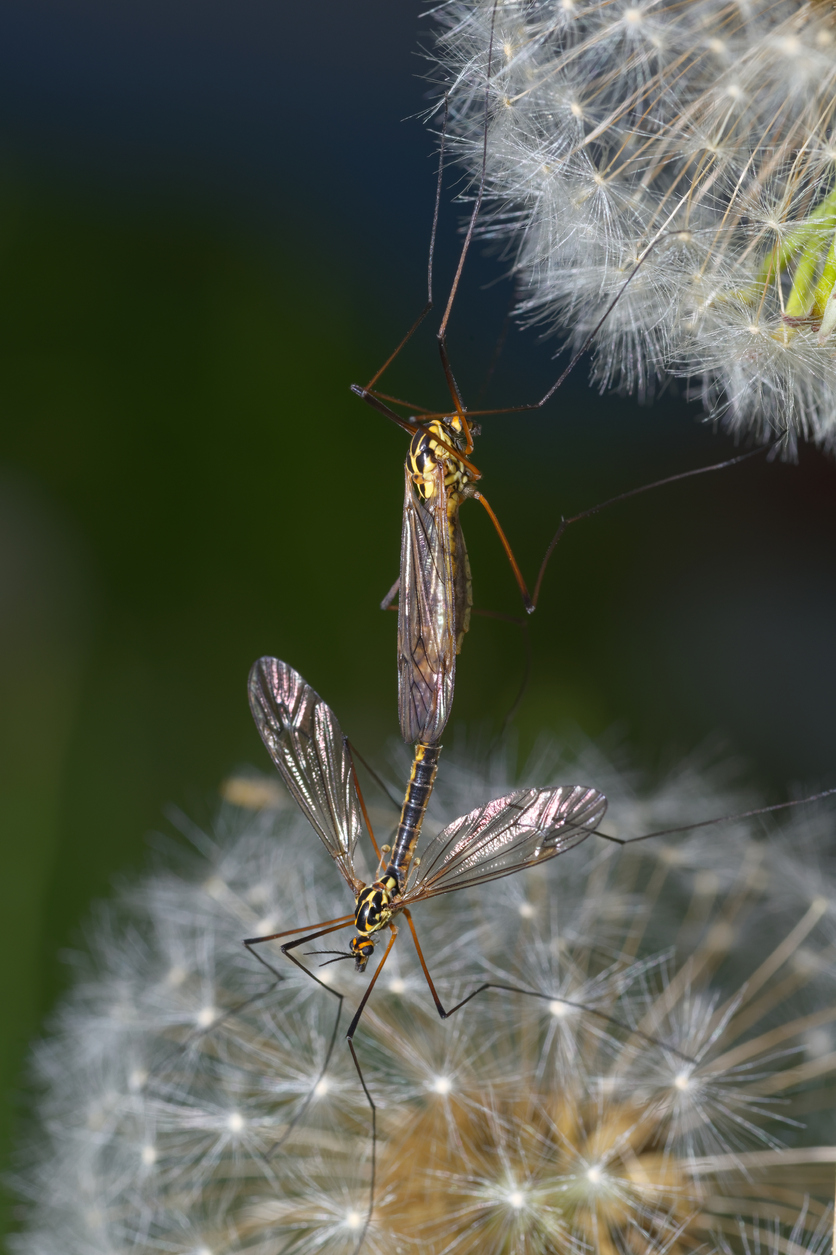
701, 987
693, 114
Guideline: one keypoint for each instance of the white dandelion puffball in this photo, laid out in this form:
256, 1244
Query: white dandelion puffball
687, 147
670, 1089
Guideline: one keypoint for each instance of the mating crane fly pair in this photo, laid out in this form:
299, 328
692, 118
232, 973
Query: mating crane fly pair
522, 829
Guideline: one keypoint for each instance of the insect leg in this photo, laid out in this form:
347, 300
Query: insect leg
636, 492
360, 798
430, 259
391, 595
530, 993
361, 1008
380, 783
661, 235
529, 603
523, 626
530, 600
707, 823
373, 1108
350, 1039
253, 941
249, 942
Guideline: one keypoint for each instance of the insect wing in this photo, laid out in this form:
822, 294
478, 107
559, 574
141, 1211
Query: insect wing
462, 584
426, 613
306, 743
516, 831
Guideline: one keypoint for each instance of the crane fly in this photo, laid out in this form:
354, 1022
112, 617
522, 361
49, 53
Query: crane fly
307, 746
435, 599
434, 586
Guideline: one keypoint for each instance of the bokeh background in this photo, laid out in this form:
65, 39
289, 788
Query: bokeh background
214, 217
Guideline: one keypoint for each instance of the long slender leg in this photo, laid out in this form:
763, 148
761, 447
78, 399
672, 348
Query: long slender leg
350, 1039
361, 1008
536, 405
300, 941
636, 492
350, 1034
249, 942
380, 783
360, 797
471, 226
371, 1103
430, 259
335, 925
707, 823
530, 600
530, 993
386, 603
279, 976
523, 626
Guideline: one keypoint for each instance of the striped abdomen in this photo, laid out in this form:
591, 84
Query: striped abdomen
418, 790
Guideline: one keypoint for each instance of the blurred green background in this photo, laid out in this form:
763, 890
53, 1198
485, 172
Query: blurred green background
212, 221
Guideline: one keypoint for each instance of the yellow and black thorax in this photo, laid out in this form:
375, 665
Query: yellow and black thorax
426, 452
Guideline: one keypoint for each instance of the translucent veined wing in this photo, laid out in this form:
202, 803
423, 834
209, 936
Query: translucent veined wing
426, 613
306, 743
462, 584
516, 831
